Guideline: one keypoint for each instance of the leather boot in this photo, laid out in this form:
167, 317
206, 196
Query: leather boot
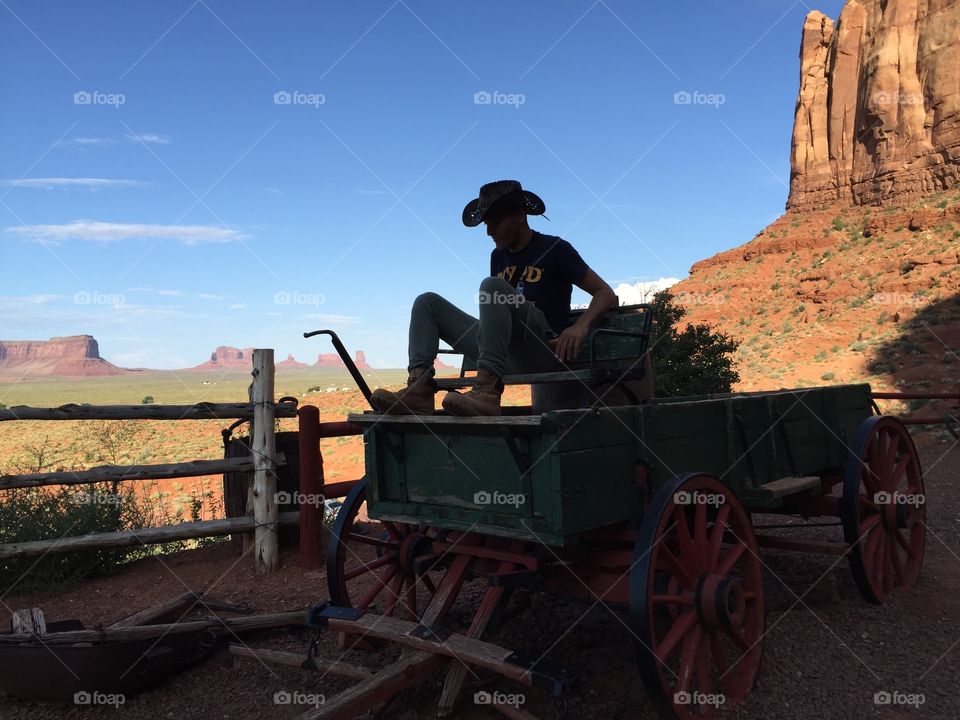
483, 399
415, 399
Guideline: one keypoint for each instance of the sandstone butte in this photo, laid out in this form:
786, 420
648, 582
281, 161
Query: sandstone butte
72, 356
858, 280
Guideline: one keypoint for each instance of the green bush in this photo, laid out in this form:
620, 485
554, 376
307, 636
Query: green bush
147, 400
827, 376
694, 360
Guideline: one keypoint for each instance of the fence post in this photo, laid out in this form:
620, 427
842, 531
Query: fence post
264, 448
311, 489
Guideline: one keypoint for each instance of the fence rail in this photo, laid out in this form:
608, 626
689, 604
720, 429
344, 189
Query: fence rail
263, 462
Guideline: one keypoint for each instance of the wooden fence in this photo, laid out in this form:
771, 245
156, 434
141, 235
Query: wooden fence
263, 462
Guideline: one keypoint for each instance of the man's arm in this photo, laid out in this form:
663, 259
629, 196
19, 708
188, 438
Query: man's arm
601, 301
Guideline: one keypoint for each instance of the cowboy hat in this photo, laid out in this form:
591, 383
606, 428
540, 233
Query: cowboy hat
500, 196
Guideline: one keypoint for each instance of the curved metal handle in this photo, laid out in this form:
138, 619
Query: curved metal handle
347, 360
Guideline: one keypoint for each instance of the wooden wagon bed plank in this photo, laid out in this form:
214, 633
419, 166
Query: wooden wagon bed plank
790, 485
434, 420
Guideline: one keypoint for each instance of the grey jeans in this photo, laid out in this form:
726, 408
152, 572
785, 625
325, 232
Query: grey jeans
510, 336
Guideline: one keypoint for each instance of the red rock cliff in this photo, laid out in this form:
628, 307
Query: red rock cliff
76, 355
878, 112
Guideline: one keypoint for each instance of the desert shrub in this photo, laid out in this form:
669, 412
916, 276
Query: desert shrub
693, 360
827, 376
147, 400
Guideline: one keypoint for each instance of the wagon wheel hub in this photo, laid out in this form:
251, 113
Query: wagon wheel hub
898, 515
413, 546
720, 601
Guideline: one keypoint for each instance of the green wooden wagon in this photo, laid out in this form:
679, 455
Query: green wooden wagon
646, 508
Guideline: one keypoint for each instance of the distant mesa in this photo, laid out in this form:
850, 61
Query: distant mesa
440, 366
332, 360
291, 363
71, 356
227, 357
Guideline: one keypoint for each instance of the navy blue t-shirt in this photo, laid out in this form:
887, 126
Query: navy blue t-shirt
550, 267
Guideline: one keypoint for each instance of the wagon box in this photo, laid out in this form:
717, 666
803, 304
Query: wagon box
551, 477
544, 478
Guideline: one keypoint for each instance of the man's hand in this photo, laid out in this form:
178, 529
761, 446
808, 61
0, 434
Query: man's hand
567, 346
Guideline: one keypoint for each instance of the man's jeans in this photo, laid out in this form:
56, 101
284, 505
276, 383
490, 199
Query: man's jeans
510, 336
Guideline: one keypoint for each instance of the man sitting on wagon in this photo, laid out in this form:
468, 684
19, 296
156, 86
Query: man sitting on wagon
524, 323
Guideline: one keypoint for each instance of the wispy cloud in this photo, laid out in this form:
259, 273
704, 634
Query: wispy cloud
371, 192
105, 232
49, 183
273, 190
87, 141
149, 138
241, 306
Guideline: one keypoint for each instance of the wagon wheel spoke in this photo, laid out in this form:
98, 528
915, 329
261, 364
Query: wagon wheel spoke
688, 658
730, 559
394, 531
683, 599
902, 542
377, 588
868, 524
718, 654
719, 527
867, 503
703, 665
898, 472
395, 586
895, 557
684, 538
700, 535
738, 639
428, 583
370, 566
675, 566
677, 631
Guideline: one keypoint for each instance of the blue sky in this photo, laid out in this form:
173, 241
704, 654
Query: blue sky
180, 175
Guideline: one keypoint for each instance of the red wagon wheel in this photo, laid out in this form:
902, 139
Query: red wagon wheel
372, 563
696, 599
883, 509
